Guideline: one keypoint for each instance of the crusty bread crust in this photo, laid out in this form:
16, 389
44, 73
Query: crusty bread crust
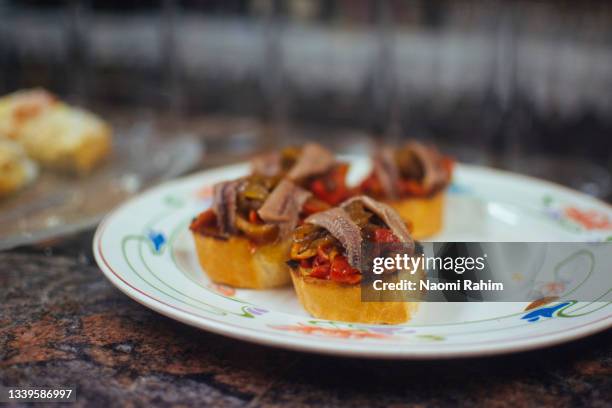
325, 299
425, 215
236, 262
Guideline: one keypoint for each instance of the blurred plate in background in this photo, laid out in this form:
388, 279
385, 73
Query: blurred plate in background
56, 204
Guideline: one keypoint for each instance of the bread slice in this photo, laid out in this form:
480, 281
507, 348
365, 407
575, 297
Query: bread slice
16, 169
237, 262
423, 214
326, 299
54, 134
66, 138
17, 108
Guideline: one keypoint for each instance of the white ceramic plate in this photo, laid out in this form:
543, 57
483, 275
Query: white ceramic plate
145, 249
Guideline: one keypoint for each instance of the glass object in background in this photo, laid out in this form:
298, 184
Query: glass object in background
554, 76
272, 76
131, 59
332, 83
57, 205
385, 102
444, 55
77, 35
33, 47
514, 79
94, 40
220, 51
171, 58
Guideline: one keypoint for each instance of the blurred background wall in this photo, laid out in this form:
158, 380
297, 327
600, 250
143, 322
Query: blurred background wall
522, 85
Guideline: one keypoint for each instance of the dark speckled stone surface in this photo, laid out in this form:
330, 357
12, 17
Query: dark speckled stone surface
62, 323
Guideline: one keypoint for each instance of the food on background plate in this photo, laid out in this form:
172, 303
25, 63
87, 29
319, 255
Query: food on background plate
56, 135
243, 240
16, 169
17, 108
312, 166
413, 180
326, 255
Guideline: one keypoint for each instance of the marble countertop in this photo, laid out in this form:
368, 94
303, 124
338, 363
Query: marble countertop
62, 323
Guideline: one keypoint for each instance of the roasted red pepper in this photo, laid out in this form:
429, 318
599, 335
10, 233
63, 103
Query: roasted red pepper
412, 188
384, 235
253, 217
204, 219
320, 268
371, 186
343, 272
306, 263
332, 187
406, 188
314, 205
338, 269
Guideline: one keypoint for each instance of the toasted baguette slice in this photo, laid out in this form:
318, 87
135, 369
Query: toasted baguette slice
424, 215
236, 262
16, 170
66, 138
326, 299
